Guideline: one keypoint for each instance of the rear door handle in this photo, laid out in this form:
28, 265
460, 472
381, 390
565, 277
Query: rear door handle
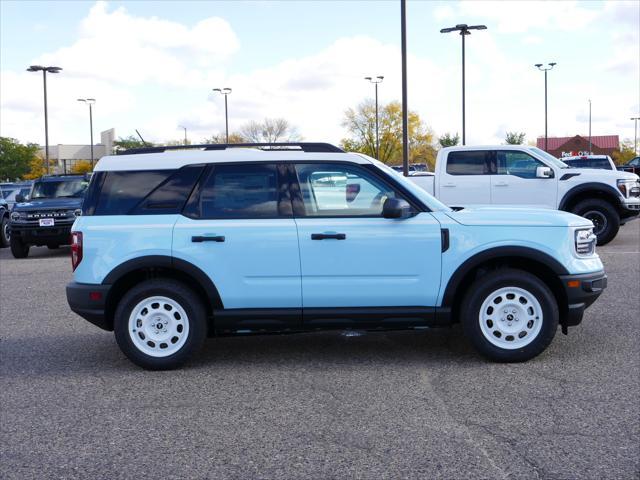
327, 236
207, 238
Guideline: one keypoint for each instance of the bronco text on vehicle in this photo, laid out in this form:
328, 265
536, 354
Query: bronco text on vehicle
174, 245
47, 216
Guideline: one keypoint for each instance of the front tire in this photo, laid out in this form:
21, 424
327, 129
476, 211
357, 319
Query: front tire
19, 249
509, 315
5, 233
605, 218
159, 324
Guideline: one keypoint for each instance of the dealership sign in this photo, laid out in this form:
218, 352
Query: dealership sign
581, 153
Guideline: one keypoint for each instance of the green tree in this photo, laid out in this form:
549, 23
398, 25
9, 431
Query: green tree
514, 138
448, 140
15, 158
270, 130
361, 124
625, 153
127, 143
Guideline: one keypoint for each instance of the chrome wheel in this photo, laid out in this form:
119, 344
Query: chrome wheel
158, 326
510, 318
598, 219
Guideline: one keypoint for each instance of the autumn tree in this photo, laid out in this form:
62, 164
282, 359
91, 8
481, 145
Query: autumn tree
448, 140
514, 138
361, 124
16, 158
625, 153
270, 130
234, 137
81, 167
37, 168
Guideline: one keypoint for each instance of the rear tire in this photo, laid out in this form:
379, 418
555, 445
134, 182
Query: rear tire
19, 249
509, 315
5, 235
604, 216
159, 324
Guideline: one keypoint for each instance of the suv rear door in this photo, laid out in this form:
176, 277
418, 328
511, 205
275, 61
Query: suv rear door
466, 178
238, 228
353, 257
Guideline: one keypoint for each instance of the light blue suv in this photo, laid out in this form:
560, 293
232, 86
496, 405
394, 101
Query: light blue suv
176, 244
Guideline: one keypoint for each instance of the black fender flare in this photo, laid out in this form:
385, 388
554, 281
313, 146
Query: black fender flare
589, 187
165, 261
496, 253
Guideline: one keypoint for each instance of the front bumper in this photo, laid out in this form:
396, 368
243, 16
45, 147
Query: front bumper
89, 301
581, 291
31, 232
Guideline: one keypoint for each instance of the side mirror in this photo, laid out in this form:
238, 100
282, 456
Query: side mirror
353, 189
396, 208
20, 198
544, 172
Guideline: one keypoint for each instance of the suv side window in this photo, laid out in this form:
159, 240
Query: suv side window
339, 190
519, 164
468, 162
240, 191
122, 190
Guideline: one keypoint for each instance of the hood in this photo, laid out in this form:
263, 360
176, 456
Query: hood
49, 204
601, 174
522, 217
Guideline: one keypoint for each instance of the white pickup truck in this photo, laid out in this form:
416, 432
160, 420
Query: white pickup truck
527, 176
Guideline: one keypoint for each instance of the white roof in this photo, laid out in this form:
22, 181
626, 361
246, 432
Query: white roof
174, 159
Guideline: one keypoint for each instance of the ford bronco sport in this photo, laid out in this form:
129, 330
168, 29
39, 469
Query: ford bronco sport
174, 245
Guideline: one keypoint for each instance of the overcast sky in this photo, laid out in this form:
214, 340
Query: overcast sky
151, 65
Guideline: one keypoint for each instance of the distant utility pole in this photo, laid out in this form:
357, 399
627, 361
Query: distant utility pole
635, 136
90, 102
225, 91
545, 70
45, 70
463, 28
376, 81
185, 133
589, 126
405, 102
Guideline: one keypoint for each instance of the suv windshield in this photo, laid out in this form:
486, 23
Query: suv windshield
550, 158
60, 189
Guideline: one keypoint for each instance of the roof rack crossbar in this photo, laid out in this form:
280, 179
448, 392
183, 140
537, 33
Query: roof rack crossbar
308, 147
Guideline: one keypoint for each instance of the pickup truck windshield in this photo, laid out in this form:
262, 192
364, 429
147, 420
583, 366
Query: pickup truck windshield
550, 158
61, 189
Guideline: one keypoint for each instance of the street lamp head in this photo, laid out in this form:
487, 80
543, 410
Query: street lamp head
463, 28
380, 77
53, 69
35, 68
538, 65
223, 91
368, 78
552, 64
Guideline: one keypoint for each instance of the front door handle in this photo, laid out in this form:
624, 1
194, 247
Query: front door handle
326, 236
449, 185
501, 184
207, 238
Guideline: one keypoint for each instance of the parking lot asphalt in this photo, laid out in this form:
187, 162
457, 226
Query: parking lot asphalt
325, 405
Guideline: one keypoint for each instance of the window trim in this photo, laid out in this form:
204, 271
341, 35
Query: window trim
299, 210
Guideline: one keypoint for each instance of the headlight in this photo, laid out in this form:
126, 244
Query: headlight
628, 188
77, 212
15, 216
585, 242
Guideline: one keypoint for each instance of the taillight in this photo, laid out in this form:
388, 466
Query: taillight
76, 249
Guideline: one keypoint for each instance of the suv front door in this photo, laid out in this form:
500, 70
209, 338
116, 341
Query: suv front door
238, 228
351, 256
514, 181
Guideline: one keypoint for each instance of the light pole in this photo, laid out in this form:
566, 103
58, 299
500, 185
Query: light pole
589, 126
405, 98
90, 102
545, 70
37, 68
464, 30
185, 133
635, 134
376, 81
225, 91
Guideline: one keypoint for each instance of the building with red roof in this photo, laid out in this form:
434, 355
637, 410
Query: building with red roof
579, 145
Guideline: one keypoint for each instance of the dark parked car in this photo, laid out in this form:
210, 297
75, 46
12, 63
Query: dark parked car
46, 218
602, 162
632, 166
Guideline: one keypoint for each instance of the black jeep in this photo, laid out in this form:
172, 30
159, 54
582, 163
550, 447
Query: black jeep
46, 217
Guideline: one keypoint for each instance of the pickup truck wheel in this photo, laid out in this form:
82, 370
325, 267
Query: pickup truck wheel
159, 324
5, 235
509, 315
605, 218
19, 249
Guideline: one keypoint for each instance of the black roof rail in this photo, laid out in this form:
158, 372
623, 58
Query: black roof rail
307, 147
